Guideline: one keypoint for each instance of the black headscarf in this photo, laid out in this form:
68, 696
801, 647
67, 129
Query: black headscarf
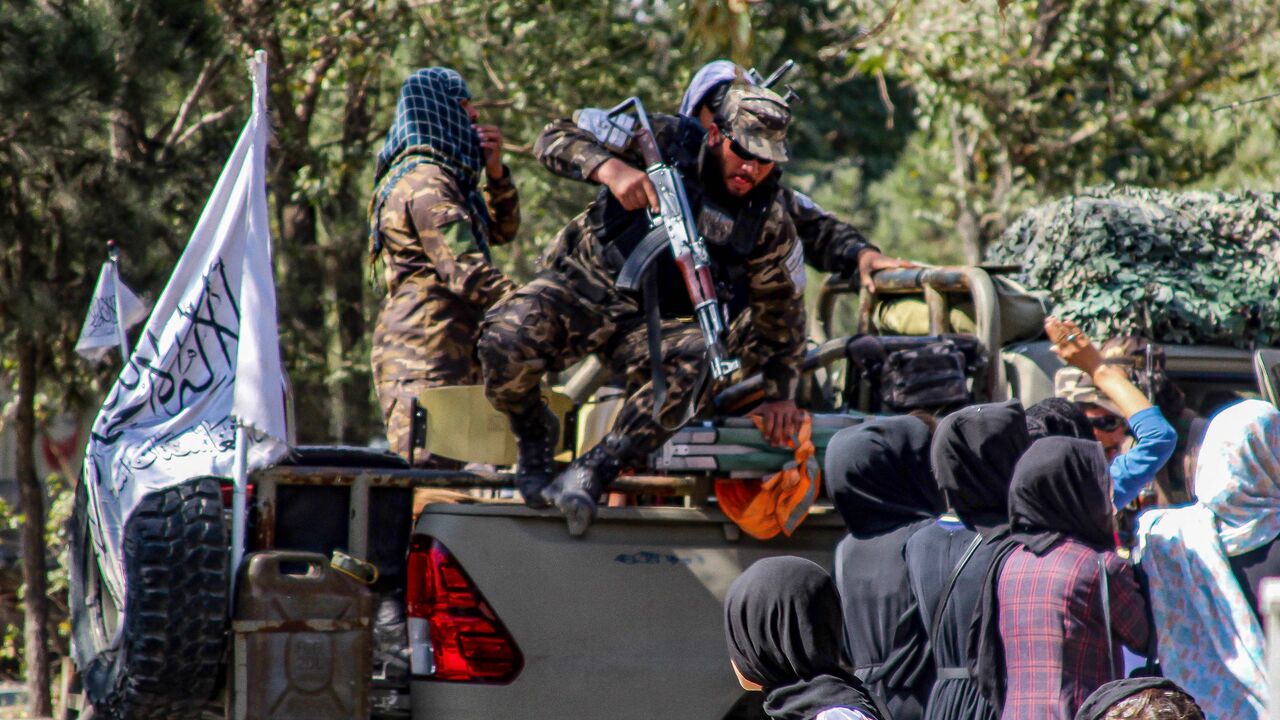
783, 623
1102, 699
878, 474
1061, 488
974, 451
1057, 416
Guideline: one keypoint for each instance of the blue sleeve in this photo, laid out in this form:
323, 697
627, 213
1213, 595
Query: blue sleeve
1131, 471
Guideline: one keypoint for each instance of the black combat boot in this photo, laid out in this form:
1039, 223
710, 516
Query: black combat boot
536, 434
577, 490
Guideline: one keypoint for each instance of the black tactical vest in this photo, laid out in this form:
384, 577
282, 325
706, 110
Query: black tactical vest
730, 226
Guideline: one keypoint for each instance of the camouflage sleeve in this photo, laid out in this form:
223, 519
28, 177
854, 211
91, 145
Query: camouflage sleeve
830, 244
569, 151
504, 207
776, 280
443, 231
572, 152
473, 279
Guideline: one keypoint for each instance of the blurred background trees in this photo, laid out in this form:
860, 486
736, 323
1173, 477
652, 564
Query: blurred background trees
930, 124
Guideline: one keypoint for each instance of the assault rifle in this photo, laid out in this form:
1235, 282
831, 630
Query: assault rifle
675, 227
775, 77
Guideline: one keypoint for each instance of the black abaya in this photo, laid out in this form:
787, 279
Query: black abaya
882, 629
932, 554
974, 452
1251, 568
878, 477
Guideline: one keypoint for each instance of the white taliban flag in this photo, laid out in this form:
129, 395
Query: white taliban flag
112, 300
208, 359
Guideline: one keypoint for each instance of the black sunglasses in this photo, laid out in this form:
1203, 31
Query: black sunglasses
743, 154
1106, 423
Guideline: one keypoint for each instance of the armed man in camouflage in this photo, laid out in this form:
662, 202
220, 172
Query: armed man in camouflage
574, 306
830, 244
433, 228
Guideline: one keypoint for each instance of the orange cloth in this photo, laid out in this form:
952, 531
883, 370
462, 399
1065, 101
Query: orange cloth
781, 502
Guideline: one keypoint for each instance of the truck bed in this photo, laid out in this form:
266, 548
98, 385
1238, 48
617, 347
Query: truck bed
623, 623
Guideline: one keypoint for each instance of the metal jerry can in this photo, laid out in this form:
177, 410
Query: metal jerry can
303, 640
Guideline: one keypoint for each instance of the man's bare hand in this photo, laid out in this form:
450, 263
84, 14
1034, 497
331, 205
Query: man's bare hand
631, 186
781, 420
869, 261
491, 144
1072, 345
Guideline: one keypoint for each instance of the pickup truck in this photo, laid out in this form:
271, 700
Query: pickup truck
493, 610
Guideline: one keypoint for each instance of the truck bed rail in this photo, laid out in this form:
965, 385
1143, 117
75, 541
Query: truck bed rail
934, 283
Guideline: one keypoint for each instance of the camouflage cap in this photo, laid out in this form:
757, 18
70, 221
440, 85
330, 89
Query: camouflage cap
1075, 385
757, 119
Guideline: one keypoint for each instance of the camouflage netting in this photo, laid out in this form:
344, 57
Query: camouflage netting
1194, 267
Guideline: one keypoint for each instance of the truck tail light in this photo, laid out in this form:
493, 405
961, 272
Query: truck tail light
453, 633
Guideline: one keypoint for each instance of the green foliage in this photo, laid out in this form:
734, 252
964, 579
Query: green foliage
929, 127
530, 62
1190, 267
1054, 95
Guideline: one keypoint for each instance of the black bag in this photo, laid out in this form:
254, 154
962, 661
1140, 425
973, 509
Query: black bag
931, 377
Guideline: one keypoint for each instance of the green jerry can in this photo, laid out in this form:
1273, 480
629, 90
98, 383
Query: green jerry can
303, 647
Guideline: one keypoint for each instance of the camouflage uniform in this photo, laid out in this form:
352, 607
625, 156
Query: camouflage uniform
574, 307
439, 284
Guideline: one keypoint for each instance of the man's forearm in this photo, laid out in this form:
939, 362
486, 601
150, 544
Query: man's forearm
569, 151
830, 244
1115, 384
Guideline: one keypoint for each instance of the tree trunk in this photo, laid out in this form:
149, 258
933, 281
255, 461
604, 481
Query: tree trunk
31, 503
967, 226
346, 366
302, 317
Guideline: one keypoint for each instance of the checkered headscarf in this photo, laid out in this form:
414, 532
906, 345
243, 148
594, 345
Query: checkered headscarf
428, 114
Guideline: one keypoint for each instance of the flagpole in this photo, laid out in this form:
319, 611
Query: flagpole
113, 257
239, 505
240, 480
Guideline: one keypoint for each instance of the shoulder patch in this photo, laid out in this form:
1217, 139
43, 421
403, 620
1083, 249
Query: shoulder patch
806, 202
795, 267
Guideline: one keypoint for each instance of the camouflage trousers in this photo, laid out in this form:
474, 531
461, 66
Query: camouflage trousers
546, 327
440, 352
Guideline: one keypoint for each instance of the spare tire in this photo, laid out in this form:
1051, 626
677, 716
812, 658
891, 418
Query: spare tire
165, 661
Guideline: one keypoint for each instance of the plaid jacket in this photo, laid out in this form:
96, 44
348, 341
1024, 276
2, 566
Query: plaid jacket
1051, 619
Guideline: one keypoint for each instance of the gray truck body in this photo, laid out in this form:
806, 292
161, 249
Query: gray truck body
624, 623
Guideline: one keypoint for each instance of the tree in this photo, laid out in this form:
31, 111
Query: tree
104, 136
531, 62
328, 66
42, 159
1056, 94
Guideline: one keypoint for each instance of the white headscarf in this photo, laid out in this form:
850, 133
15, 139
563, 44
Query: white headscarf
1238, 475
1210, 640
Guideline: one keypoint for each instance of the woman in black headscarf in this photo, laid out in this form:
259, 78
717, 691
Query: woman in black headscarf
782, 622
1058, 602
878, 478
1057, 416
974, 452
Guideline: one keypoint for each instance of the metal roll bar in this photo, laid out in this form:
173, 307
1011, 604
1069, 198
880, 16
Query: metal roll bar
933, 283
